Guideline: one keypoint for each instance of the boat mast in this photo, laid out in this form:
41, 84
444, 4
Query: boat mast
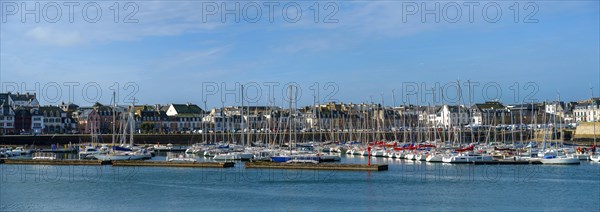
592, 107
204, 122
382, 113
433, 122
521, 131
290, 120
131, 123
458, 121
544, 130
114, 117
224, 117
395, 126
243, 127
470, 111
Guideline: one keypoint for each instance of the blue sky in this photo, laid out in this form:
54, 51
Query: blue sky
171, 54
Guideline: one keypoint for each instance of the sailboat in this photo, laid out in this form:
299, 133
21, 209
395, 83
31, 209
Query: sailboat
595, 157
241, 154
556, 156
91, 150
120, 152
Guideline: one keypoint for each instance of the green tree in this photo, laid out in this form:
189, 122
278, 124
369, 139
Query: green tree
147, 127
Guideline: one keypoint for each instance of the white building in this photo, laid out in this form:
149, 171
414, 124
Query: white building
185, 117
37, 121
7, 116
486, 113
452, 116
588, 111
54, 119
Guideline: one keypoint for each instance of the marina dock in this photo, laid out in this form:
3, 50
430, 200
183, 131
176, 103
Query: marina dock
56, 162
310, 166
119, 163
508, 162
174, 164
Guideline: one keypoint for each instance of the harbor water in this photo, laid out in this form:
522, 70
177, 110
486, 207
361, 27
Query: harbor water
407, 185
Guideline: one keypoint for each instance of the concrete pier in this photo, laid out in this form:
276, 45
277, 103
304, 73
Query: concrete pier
174, 164
56, 162
309, 166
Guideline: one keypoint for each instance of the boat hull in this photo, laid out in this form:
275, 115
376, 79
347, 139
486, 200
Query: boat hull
561, 161
118, 157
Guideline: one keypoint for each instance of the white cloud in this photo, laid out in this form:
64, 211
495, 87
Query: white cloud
54, 36
192, 59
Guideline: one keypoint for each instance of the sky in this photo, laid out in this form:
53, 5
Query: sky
390, 52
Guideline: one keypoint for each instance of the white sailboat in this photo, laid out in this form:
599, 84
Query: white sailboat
434, 157
467, 158
89, 151
555, 157
595, 158
120, 152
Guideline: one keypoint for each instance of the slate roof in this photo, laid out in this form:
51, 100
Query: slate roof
188, 109
51, 110
488, 106
22, 97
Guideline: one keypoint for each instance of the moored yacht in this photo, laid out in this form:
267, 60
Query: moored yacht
434, 157
595, 158
467, 158
421, 156
171, 157
44, 156
560, 160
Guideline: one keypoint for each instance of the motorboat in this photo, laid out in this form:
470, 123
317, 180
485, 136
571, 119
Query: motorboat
43, 156
180, 157
234, 156
159, 147
467, 158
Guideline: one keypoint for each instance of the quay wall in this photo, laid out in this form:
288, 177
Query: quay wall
585, 131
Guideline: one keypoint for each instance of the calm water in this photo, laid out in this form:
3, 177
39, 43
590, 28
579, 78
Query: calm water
406, 186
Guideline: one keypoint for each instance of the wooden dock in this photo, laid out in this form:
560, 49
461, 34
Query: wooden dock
320, 166
56, 162
174, 164
508, 162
